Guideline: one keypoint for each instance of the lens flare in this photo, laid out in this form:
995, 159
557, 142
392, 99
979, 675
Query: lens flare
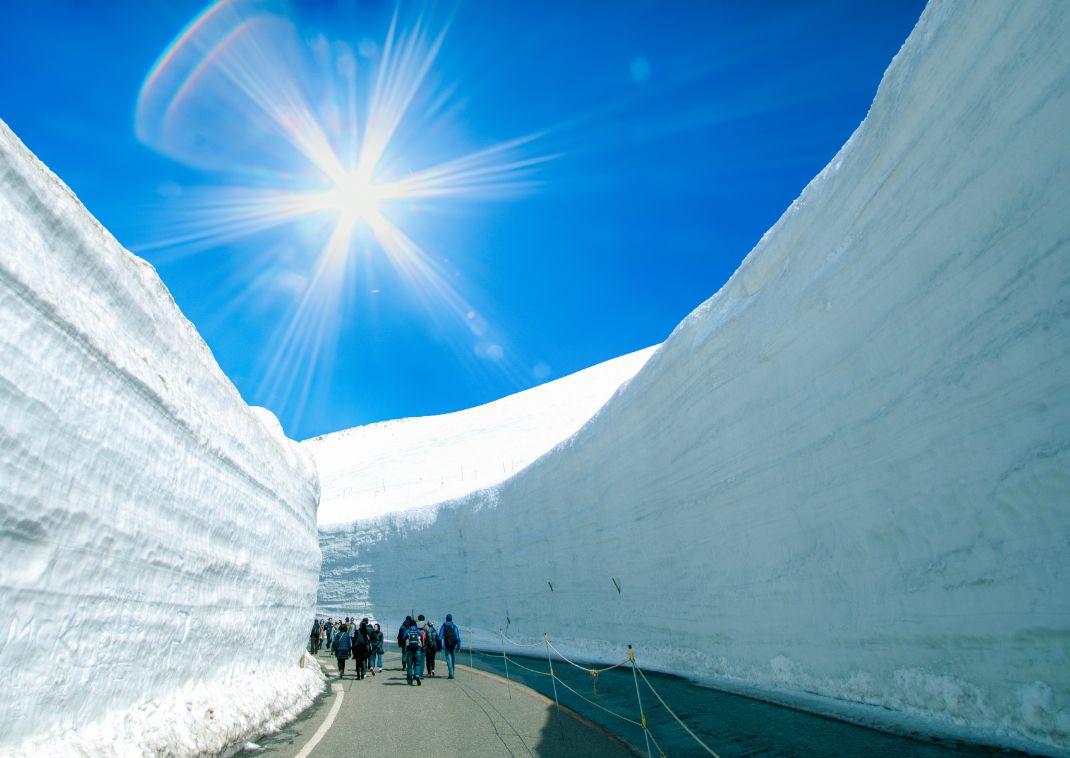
306, 138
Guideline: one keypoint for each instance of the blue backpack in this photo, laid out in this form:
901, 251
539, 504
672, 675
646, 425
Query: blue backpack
413, 639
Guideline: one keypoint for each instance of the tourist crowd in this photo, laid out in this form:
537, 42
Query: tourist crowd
420, 642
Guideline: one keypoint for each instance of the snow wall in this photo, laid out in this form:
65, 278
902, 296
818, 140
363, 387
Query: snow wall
158, 552
845, 478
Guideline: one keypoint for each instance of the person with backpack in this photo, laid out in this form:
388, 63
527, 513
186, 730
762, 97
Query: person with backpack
314, 638
449, 637
432, 646
329, 629
375, 659
414, 639
343, 646
360, 648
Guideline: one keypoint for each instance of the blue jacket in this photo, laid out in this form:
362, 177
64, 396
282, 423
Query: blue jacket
343, 645
442, 636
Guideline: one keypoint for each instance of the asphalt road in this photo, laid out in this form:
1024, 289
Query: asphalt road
476, 715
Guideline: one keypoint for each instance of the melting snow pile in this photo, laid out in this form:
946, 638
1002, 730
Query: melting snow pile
847, 473
158, 552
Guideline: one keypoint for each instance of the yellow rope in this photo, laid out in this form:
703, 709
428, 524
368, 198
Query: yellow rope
593, 672
681, 723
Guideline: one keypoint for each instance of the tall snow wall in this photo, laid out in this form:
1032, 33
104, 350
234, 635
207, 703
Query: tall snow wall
847, 474
158, 551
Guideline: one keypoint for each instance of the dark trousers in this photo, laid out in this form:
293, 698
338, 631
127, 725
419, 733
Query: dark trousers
341, 666
431, 660
360, 655
414, 664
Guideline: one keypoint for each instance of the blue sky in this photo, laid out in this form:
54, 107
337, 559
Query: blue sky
637, 152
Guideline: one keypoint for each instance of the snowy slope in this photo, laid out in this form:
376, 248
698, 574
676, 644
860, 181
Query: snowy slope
158, 548
396, 465
848, 473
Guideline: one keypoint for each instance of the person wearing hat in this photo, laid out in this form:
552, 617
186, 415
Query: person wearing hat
449, 640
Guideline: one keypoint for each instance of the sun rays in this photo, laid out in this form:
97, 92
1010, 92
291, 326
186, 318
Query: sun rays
307, 142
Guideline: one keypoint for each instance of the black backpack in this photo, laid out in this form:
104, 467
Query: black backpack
412, 638
432, 638
449, 635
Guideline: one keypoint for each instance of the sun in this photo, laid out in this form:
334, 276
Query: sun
354, 196
309, 139
357, 196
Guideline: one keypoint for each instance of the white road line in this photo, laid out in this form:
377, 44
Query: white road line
307, 749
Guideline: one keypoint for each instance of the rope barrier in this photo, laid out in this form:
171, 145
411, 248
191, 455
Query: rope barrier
533, 671
592, 672
665, 705
597, 705
636, 671
514, 643
642, 716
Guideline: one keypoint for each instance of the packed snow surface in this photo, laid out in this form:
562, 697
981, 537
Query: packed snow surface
397, 465
847, 474
158, 552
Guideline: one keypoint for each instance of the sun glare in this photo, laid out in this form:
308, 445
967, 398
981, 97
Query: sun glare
243, 93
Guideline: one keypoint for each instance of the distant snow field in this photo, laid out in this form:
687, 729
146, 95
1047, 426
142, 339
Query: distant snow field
399, 465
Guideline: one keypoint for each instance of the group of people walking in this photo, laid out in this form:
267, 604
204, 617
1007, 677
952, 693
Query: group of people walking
362, 642
420, 642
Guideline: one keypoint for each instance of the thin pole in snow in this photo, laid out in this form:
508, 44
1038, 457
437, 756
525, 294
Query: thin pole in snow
553, 680
642, 716
501, 634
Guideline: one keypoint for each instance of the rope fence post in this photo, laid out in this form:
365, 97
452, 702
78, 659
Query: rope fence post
553, 681
505, 658
642, 716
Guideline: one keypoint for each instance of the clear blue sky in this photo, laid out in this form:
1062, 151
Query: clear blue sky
666, 138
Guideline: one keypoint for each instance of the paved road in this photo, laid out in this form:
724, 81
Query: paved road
476, 715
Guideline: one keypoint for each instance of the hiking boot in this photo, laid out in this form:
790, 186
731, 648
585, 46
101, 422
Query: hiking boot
419, 682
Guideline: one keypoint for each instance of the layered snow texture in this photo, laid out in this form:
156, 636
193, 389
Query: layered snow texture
848, 472
158, 551
397, 465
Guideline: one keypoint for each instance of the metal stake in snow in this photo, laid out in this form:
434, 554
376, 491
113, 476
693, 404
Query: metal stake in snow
642, 716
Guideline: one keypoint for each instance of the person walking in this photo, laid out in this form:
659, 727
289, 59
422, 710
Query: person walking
401, 640
413, 637
375, 660
360, 648
329, 629
343, 646
314, 637
449, 637
432, 646
421, 622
